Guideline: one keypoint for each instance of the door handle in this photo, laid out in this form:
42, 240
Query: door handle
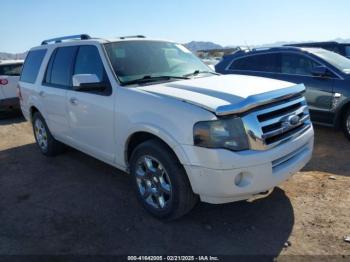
73, 101
42, 93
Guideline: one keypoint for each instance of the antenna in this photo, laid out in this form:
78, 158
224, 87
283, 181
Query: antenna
246, 44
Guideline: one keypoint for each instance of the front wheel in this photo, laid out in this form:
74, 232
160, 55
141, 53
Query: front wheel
161, 182
346, 123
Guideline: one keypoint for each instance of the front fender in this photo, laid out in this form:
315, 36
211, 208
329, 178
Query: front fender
162, 134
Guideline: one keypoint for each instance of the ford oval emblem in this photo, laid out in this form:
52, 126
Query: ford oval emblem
293, 120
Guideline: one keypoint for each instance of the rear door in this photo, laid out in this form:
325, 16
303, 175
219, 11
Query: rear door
53, 91
297, 68
91, 114
9, 76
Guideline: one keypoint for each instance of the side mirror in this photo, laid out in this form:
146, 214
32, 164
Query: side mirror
320, 71
87, 82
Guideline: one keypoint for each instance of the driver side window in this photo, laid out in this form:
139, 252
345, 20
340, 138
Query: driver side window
295, 64
88, 61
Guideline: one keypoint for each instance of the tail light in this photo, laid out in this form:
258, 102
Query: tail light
19, 94
4, 82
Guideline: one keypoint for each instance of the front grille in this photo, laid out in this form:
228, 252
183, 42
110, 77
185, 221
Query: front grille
279, 112
276, 123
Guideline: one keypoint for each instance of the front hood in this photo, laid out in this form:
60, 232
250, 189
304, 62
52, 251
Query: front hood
226, 94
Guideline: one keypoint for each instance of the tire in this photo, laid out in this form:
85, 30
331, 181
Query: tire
161, 182
346, 124
47, 144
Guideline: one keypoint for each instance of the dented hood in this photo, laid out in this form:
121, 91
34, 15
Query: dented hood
226, 94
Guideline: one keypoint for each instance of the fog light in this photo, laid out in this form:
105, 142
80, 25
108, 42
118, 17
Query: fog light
243, 179
238, 179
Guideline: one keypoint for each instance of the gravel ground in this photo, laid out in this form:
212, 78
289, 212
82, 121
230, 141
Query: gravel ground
74, 204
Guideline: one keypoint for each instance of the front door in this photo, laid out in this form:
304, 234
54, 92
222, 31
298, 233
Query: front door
91, 114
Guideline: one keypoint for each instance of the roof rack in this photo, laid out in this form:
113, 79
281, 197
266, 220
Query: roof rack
263, 48
309, 44
132, 36
71, 37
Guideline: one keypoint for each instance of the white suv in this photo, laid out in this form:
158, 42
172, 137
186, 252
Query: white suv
154, 110
9, 76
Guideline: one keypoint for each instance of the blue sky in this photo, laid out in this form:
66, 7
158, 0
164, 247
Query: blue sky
25, 23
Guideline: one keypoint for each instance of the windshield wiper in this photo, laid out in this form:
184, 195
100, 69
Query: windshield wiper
149, 78
198, 72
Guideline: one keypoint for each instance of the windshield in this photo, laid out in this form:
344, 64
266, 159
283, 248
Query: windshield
336, 60
133, 60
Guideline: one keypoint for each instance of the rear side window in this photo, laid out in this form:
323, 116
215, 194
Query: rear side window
11, 70
59, 71
257, 63
32, 65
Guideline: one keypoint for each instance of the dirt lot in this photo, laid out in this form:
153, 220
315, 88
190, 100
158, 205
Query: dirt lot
74, 204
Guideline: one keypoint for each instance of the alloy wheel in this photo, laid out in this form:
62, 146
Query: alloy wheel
41, 134
153, 182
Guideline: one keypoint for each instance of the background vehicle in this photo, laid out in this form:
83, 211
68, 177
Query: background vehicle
325, 74
210, 61
153, 109
9, 76
340, 48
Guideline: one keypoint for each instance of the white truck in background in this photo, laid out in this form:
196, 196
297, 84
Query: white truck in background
10, 71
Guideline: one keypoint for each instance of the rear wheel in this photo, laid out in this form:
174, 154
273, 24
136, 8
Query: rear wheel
346, 123
161, 182
47, 144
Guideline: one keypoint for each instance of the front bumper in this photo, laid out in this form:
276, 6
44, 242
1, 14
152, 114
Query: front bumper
221, 176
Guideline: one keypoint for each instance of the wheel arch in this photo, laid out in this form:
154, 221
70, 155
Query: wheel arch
341, 113
32, 110
138, 137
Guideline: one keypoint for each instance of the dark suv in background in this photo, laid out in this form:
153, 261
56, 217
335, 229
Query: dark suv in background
340, 48
325, 74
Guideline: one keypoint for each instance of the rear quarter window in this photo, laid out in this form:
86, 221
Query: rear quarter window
32, 65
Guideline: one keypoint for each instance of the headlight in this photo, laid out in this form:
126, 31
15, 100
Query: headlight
224, 133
